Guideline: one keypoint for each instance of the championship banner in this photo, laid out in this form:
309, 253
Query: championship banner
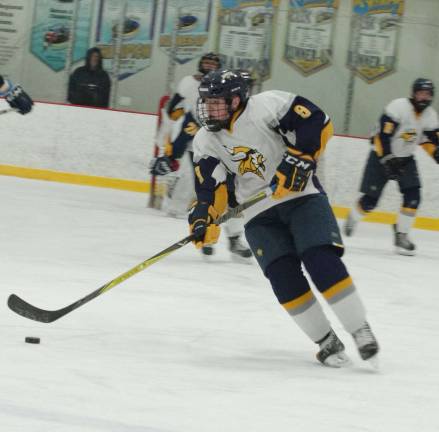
52, 28
136, 38
245, 35
308, 41
374, 37
12, 36
184, 29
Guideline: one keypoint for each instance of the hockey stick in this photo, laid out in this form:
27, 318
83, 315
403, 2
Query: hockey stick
27, 310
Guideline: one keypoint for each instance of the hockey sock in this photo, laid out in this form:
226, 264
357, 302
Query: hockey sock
357, 212
293, 293
331, 278
405, 219
234, 227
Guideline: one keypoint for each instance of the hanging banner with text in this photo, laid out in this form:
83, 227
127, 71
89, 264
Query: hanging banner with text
188, 24
137, 34
374, 37
309, 34
245, 35
52, 28
13, 34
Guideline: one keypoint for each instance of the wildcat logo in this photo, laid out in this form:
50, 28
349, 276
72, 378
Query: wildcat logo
249, 161
408, 136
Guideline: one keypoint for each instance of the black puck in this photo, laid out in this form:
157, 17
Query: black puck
32, 340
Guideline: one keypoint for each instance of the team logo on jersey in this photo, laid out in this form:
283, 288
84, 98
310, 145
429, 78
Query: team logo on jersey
249, 161
408, 136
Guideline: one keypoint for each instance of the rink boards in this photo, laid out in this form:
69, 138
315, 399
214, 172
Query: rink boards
112, 149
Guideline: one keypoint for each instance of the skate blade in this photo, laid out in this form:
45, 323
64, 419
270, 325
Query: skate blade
241, 260
338, 360
374, 362
401, 251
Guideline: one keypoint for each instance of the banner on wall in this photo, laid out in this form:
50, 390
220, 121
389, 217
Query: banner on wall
52, 28
12, 36
245, 35
192, 19
137, 34
374, 37
308, 41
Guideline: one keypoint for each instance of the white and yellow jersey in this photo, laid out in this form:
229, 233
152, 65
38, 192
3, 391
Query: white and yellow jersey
188, 89
254, 146
401, 129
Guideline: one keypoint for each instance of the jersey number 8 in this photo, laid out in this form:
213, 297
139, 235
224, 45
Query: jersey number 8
302, 111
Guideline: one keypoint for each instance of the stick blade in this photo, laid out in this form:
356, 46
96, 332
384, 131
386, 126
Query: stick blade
20, 307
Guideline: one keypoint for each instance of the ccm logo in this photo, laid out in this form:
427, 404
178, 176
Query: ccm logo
297, 162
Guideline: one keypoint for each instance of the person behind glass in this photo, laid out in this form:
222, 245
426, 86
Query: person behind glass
15, 96
90, 84
404, 124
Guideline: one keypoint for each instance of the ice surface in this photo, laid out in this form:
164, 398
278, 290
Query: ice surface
188, 346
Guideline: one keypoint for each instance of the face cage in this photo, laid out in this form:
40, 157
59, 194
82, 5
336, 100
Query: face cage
422, 104
204, 71
212, 125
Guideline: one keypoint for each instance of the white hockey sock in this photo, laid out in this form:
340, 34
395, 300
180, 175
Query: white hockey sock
234, 226
405, 220
346, 304
357, 212
309, 316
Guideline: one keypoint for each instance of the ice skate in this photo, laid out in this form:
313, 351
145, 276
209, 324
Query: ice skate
332, 352
367, 344
239, 251
350, 225
207, 252
403, 246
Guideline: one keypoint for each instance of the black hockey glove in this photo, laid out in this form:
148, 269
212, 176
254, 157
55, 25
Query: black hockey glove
18, 99
394, 167
201, 224
292, 174
163, 165
436, 154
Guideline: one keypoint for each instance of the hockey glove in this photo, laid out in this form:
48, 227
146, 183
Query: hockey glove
18, 99
436, 154
292, 174
163, 165
201, 224
394, 167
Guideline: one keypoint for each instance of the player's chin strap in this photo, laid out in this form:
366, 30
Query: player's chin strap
27, 310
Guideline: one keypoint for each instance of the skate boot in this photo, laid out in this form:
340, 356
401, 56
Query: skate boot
332, 352
207, 251
350, 225
366, 343
239, 251
403, 245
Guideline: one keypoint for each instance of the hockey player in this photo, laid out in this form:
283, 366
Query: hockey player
177, 160
16, 97
275, 139
405, 124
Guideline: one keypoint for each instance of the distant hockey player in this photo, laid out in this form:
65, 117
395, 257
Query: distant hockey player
177, 160
16, 97
275, 139
405, 124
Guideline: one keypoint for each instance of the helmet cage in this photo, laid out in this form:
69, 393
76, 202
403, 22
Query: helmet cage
422, 84
208, 56
224, 84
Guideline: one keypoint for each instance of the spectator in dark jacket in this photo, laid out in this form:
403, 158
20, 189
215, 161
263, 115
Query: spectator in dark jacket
90, 84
